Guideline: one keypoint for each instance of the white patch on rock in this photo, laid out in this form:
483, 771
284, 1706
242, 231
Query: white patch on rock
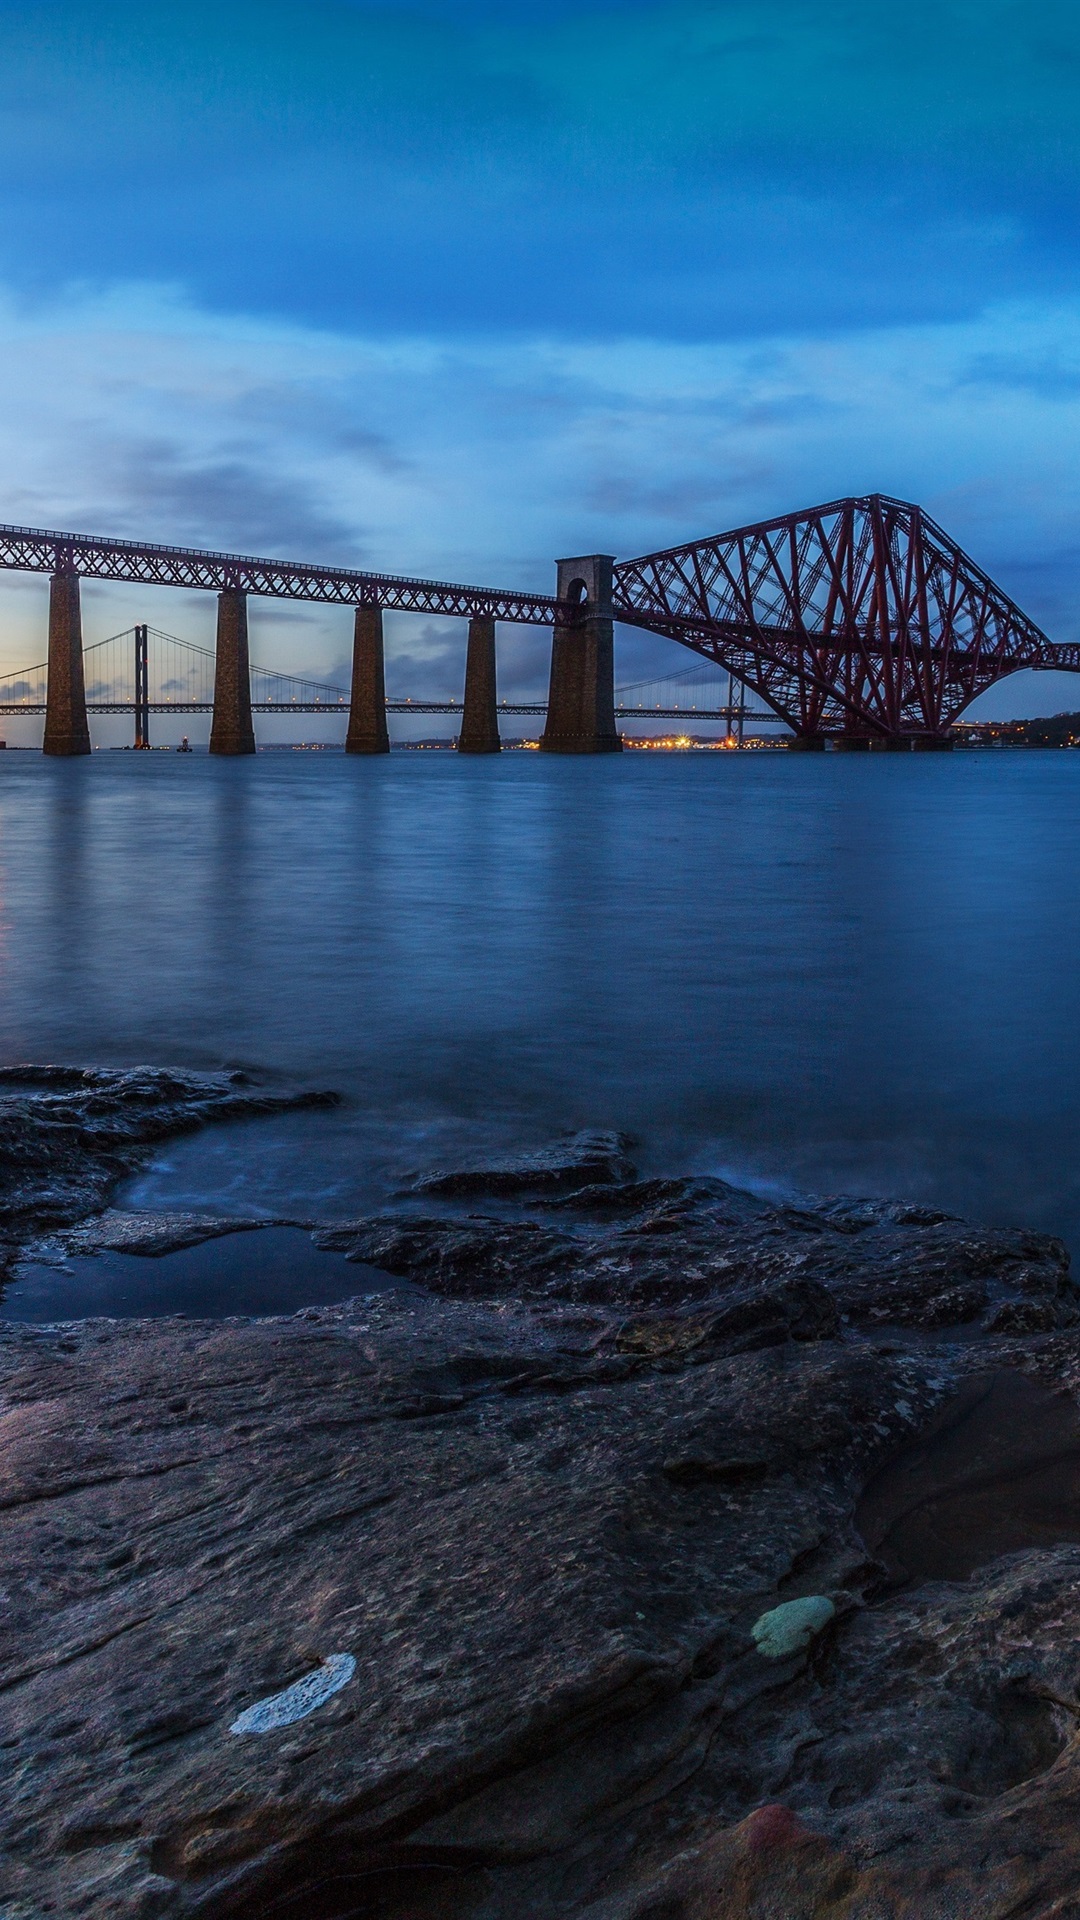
790, 1628
297, 1701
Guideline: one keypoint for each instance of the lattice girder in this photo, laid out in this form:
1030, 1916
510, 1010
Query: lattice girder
860, 616
32, 550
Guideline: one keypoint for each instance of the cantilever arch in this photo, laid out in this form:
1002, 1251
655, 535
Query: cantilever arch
480, 715
581, 699
232, 730
367, 703
66, 728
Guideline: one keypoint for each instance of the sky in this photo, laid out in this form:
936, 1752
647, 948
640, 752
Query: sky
451, 287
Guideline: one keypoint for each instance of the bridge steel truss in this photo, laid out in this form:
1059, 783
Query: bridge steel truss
29, 550
860, 619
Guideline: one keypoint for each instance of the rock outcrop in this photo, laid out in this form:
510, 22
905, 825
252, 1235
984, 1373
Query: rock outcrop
68, 1134
658, 1246
441, 1606
579, 1160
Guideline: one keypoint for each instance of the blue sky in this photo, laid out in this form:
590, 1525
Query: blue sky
451, 288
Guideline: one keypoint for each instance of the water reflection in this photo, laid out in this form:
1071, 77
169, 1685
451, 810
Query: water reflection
839, 973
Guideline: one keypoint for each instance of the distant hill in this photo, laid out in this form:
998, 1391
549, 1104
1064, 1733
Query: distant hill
1060, 730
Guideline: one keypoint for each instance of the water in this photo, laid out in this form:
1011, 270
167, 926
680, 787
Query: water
268, 1270
842, 972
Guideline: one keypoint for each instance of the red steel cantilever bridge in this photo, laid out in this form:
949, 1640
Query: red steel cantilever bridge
859, 621
860, 618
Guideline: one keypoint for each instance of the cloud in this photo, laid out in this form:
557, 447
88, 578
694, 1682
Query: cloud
454, 286
1046, 374
482, 460
690, 498
158, 482
688, 170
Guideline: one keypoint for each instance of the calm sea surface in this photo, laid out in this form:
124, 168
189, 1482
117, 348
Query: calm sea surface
838, 972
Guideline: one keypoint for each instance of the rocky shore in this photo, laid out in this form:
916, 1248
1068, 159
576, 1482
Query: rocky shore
479, 1598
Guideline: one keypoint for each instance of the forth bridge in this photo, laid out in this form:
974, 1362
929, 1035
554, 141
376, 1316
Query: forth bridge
859, 623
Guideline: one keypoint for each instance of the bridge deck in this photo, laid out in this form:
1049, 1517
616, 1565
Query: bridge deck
402, 706
36, 550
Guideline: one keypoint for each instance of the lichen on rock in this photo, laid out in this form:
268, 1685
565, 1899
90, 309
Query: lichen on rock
793, 1626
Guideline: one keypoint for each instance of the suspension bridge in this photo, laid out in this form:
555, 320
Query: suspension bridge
144, 671
858, 623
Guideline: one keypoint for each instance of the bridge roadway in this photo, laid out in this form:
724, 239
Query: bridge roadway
403, 706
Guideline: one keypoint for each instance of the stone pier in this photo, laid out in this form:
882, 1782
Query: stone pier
367, 705
581, 700
806, 743
66, 728
232, 730
480, 718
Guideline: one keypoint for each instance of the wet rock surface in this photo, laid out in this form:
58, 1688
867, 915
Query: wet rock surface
996, 1470
68, 1134
139, 1232
587, 1158
655, 1246
527, 1523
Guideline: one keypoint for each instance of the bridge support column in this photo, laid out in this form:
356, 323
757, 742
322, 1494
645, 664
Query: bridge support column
232, 730
480, 716
66, 728
581, 698
806, 743
367, 701
851, 743
890, 743
933, 743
